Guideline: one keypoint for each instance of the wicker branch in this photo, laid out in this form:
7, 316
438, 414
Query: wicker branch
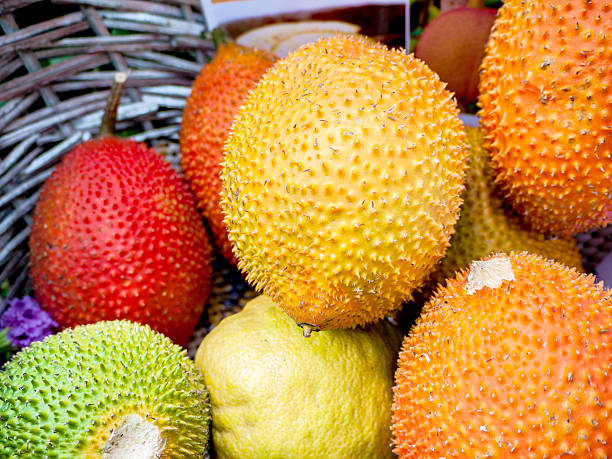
80, 103
162, 9
13, 108
41, 28
22, 85
15, 155
8, 6
9, 68
145, 22
19, 167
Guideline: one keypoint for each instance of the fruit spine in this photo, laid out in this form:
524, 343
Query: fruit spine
88, 391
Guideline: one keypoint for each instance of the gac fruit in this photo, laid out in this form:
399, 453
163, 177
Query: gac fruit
215, 97
342, 180
546, 109
512, 358
105, 390
116, 235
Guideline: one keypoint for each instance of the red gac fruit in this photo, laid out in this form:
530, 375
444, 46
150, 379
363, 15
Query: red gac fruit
453, 46
116, 235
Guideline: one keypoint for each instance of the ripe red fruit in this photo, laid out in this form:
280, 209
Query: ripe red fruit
116, 235
453, 46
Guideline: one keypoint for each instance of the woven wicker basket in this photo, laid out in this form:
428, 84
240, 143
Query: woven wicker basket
57, 60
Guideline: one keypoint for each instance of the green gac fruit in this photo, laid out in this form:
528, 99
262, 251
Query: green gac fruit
111, 389
487, 226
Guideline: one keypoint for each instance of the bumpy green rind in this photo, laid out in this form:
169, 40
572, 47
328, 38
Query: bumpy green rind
60, 397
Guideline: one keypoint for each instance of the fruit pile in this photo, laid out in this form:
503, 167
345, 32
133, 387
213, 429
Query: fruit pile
342, 183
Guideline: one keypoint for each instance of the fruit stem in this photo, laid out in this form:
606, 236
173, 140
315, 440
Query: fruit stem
307, 329
136, 438
109, 119
219, 37
489, 273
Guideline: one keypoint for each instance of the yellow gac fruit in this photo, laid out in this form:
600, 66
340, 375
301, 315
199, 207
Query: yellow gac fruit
545, 103
511, 359
342, 180
487, 226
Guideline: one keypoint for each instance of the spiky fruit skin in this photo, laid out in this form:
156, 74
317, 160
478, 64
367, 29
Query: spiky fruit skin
342, 180
215, 97
61, 397
486, 226
520, 370
545, 109
116, 235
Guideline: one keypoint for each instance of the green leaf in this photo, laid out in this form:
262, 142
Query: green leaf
49, 61
472, 108
4, 288
127, 133
121, 32
432, 12
6, 348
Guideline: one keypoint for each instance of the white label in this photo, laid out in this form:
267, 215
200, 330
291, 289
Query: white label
218, 12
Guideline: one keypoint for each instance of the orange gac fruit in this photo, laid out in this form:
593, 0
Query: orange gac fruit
546, 103
215, 97
512, 358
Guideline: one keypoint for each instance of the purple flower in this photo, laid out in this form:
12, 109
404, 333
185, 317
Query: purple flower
26, 322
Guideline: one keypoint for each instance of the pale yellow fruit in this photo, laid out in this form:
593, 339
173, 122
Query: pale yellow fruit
276, 394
